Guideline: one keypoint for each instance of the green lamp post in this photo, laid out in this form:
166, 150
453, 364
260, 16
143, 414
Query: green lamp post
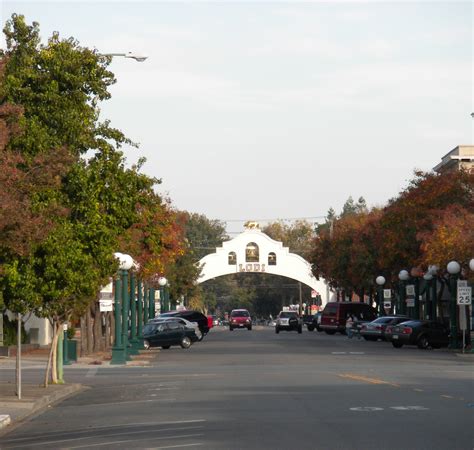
403, 276
380, 280
134, 343
118, 351
162, 282
453, 269
140, 311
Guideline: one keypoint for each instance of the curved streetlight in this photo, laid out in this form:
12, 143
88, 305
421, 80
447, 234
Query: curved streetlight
136, 56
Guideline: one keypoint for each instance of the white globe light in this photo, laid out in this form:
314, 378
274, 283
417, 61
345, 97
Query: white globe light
427, 276
125, 261
433, 269
453, 267
380, 280
471, 264
162, 281
404, 275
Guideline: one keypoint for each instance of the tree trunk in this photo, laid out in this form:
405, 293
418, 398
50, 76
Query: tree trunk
90, 333
98, 337
53, 353
83, 335
111, 328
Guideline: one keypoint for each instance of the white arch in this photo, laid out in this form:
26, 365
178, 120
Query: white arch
287, 264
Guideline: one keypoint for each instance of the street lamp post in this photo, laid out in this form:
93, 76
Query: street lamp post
134, 343
428, 278
453, 269
140, 311
162, 282
151, 303
380, 280
119, 351
403, 276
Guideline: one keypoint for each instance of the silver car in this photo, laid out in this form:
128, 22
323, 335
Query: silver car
372, 331
289, 321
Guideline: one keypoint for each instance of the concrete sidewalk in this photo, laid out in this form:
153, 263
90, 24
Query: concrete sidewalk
34, 398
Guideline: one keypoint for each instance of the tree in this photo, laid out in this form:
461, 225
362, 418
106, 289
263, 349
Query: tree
297, 235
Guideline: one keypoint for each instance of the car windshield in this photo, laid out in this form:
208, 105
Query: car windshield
287, 314
240, 314
150, 328
383, 320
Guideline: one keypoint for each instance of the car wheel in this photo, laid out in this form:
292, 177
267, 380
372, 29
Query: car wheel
186, 342
370, 338
165, 347
249, 328
319, 330
300, 330
200, 338
310, 328
146, 344
330, 331
277, 330
231, 329
423, 343
397, 344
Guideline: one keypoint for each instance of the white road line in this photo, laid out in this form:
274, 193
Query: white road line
357, 353
141, 439
121, 425
58, 441
194, 444
92, 372
338, 353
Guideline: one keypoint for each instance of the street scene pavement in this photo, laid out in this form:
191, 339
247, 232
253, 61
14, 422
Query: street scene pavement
257, 390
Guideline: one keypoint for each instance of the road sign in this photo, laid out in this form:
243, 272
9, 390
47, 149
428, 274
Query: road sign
410, 289
387, 304
387, 293
464, 295
410, 302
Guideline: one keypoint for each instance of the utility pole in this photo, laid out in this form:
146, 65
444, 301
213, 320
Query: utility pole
301, 298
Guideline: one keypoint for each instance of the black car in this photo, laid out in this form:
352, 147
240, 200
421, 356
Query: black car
166, 334
309, 321
192, 316
423, 333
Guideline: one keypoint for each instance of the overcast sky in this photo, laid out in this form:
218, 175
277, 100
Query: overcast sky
267, 110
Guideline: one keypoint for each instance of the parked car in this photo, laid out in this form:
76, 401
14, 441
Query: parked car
334, 315
193, 316
372, 331
167, 333
240, 318
193, 325
423, 333
288, 321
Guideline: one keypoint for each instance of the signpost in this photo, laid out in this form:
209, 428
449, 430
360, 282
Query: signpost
464, 295
464, 299
106, 298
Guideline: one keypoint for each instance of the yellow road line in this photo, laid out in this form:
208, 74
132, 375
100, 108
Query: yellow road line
366, 379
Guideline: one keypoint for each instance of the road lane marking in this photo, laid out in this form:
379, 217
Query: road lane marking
92, 372
418, 390
58, 441
366, 379
101, 427
447, 396
409, 408
194, 444
366, 408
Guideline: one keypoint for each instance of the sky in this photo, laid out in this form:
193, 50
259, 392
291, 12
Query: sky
279, 110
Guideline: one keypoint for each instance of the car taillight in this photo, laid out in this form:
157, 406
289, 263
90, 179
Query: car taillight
407, 330
378, 327
388, 330
210, 322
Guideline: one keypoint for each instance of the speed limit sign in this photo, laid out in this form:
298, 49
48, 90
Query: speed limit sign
464, 295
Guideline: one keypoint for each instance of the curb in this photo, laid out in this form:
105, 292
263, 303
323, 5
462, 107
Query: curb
4, 420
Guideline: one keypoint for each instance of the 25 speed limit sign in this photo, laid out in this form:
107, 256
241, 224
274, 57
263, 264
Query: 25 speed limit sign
464, 295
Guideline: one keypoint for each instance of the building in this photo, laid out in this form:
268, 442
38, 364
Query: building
461, 157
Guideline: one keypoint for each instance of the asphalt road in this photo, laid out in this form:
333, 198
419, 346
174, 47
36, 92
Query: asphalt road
258, 390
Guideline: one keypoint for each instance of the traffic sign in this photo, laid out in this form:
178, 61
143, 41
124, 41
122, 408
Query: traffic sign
410, 289
410, 302
464, 295
387, 293
387, 304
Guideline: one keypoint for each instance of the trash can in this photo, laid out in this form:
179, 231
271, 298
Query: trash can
72, 350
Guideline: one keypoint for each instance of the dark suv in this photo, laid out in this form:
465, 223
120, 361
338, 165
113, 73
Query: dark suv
192, 316
240, 318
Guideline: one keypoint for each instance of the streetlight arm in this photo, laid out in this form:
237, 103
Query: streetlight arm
136, 56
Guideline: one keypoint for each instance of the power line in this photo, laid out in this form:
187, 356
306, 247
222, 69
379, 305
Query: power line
274, 219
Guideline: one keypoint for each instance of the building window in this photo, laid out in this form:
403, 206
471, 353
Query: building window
251, 252
232, 258
272, 259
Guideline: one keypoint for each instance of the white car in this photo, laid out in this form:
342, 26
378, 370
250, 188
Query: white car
186, 323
